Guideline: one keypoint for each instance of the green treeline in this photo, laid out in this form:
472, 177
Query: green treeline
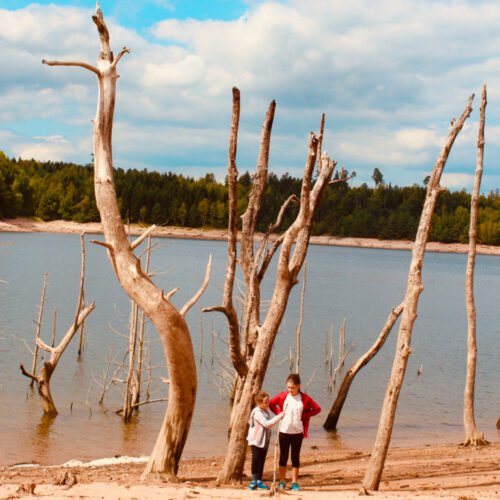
56, 190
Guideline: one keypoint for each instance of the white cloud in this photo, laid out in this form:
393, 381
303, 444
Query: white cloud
454, 181
389, 75
53, 148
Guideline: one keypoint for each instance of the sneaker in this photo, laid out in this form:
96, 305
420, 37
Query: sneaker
261, 486
252, 485
281, 485
295, 487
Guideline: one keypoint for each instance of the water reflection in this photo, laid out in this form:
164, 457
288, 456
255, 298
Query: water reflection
42, 437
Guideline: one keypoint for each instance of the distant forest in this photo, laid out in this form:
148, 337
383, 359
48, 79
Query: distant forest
56, 190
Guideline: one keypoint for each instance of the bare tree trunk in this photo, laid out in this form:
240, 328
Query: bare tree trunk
414, 289
81, 297
38, 328
301, 320
472, 436
132, 344
169, 323
142, 330
294, 244
46, 371
334, 413
44, 376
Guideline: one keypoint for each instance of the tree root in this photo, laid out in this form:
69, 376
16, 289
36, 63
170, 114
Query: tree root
26, 489
66, 478
475, 441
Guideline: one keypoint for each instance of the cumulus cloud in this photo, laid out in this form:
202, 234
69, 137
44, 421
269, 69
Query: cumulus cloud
389, 75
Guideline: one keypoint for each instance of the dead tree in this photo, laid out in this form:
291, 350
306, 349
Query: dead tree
413, 290
168, 321
42, 379
336, 408
251, 357
301, 321
38, 328
472, 436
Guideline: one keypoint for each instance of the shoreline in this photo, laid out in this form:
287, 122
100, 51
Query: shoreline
26, 225
427, 472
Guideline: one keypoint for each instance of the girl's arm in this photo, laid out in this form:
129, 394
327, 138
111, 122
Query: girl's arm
275, 404
267, 424
313, 408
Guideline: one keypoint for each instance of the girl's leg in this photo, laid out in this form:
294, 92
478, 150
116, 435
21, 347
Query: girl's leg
262, 461
296, 445
284, 440
255, 462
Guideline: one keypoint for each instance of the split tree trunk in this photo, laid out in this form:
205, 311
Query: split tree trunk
472, 436
169, 323
414, 289
251, 359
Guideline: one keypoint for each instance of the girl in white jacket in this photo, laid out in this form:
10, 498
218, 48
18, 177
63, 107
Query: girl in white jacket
259, 435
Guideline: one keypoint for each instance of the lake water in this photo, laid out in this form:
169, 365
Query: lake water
360, 285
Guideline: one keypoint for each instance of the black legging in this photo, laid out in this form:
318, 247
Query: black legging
295, 442
258, 460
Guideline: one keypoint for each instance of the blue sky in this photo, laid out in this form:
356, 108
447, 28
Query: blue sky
388, 74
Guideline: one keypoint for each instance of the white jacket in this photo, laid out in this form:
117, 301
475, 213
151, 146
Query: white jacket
261, 422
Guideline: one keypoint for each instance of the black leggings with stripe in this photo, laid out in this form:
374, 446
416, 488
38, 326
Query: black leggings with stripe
287, 441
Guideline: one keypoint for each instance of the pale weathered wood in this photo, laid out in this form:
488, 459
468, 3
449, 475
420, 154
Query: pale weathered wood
81, 297
414, 288
298, 333
169, 323
38, 328
190, 303
43, 377
227, 306
472, 436
294, 243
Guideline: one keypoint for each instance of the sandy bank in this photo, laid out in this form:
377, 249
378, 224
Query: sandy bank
60, 226
446, 472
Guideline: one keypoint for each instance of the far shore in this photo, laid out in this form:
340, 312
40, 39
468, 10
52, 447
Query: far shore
26, 225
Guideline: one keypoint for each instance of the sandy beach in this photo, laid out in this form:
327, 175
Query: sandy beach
62, 226
445, 472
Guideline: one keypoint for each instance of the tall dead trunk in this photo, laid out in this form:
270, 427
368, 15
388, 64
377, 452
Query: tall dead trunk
413, 290
251, 359
472, 436
169, 322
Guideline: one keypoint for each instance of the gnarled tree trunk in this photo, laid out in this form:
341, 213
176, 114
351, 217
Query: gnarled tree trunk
169, 322
413, 290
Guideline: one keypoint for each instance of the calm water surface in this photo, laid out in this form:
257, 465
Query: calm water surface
360, 285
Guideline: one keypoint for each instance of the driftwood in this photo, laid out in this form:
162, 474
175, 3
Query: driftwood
472, 436
414, 288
